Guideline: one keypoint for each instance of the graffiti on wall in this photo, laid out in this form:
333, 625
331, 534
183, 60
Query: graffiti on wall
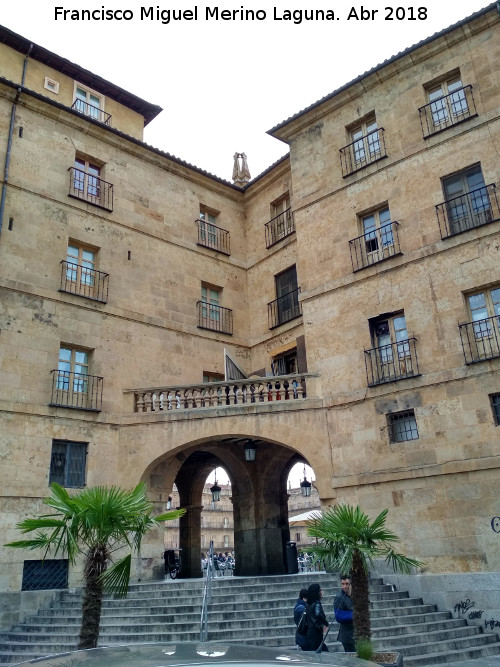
463, 607
495, 524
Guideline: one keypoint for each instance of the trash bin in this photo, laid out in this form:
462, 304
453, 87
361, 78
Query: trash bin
292, 565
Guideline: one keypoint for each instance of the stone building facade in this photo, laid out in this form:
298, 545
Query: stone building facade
341, 309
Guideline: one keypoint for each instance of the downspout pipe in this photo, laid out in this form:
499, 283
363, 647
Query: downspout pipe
9, 141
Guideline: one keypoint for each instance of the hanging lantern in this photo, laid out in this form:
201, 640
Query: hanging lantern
169, 503
305, 486
215, 490
250, 450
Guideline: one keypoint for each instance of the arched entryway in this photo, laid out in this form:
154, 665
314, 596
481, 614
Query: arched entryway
259, 497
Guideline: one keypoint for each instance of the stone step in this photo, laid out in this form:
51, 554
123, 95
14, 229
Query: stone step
453, 656
434, 644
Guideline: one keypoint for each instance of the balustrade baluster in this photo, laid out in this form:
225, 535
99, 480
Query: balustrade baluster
139, 402
148, 402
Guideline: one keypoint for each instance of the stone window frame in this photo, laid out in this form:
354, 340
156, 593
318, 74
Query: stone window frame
405, 420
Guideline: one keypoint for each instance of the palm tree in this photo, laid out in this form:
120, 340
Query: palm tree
347, 542
95, 522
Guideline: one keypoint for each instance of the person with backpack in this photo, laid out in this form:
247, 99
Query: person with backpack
317, 625
299, 617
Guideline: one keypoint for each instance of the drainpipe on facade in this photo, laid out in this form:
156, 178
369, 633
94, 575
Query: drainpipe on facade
9, 141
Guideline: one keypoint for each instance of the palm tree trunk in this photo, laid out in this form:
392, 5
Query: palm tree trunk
360, 598
95, 565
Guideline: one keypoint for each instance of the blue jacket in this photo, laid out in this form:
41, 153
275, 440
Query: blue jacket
298, 610
342, 606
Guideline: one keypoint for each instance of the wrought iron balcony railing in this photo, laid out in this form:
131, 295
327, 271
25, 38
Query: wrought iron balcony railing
76, 390
211, 236
284, 309
215, 318
279, 227
79, 279
481, 339
216, 394
375, 246
362, 152
392, 362
90, 110
473, 209
446, 111
90, 188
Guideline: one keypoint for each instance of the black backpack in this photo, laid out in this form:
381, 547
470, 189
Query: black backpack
302, 625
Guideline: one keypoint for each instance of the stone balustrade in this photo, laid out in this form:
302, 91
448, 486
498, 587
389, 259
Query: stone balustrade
218, 394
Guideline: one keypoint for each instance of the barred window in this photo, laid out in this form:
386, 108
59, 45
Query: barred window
495, 404
68, 463
44, 575
402, 426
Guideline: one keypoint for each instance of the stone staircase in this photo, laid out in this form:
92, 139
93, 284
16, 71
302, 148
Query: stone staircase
248, 610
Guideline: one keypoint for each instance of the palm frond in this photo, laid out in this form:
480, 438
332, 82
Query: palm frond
401, 563
117, 577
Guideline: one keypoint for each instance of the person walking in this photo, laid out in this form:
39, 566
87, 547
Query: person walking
342, 606
317, 625
298, 611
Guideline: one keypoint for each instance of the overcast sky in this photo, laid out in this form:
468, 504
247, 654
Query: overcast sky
223, 84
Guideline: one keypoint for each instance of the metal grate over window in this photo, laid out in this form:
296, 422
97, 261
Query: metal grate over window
402, 426
495, 404
68, 463
44, 575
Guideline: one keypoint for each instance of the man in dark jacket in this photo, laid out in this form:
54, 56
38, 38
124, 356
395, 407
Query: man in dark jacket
342, 606
298, 610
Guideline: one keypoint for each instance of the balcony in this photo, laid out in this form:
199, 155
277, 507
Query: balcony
364, 151
213, 237
375, 246
93, 112
279, 227
446, 111
90, 188
481, 340
215, 318
260, 391
284, 309
76, 390
470, 210
83, 281
389, 363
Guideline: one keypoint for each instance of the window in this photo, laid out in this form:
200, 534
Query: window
402, 426
226, 540
80, 265
68, 463
225, 522
467, 202
208, 229
297, 537
447, 101
366, 142
393, 355
484, 306
286, 306
495, 404
72, 384
72, 370
386, 332
377, 232
86, 178
210, 298
282, 223
90, 103
285, 364
44, 575
51, 85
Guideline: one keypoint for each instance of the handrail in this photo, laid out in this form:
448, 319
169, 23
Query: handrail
207, 594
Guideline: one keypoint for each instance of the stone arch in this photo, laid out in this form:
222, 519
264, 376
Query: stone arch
259, 496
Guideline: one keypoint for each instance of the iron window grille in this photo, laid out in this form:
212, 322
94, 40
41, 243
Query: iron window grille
375, 245
44, 575
447, 111
92, 111
363, 151
472, 209
402, 426
279, 227
284, 309
392, 362
68, 463
214, 237
214, 317
76, 390
90, 188
495, 404
480, 339
84, 281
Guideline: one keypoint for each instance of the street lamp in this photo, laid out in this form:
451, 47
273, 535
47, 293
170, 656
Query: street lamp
305, 486
215, 490
250, 450
169, 503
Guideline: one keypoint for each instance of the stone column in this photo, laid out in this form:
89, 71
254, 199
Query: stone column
190, 542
